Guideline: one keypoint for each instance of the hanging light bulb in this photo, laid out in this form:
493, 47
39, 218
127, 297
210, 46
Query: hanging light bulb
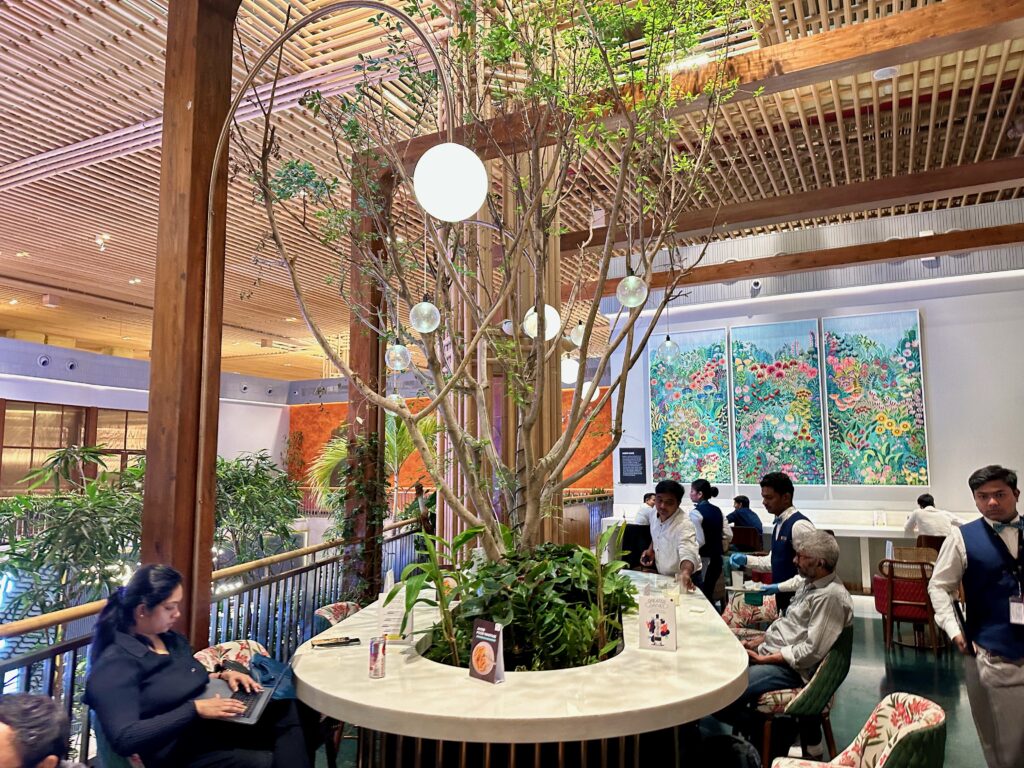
450, 182
552, 322
425, 317
668, 350
570, 369
396, 398
591, 392
507, 328
631, 291
576, 334
398, 357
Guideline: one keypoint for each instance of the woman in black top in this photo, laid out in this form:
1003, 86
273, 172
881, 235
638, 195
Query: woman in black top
144, 682
701, 493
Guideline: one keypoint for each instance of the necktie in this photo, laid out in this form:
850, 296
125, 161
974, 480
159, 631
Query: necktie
1000, 527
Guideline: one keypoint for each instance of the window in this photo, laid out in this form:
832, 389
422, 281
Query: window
122, 434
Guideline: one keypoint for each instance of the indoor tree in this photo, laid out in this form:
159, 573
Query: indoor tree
588, 91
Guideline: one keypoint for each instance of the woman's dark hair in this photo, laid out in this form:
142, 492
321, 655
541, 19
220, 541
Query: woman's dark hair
149, 586
992, 473
742, 501
704, 488
40, 727
672, 488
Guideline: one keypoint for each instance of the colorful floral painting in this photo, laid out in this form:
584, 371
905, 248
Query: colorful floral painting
777, 397
876, 421
690, 409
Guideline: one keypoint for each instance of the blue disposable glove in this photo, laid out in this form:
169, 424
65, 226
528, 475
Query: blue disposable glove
770, 589
737, 560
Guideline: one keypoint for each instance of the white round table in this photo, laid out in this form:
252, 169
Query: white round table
635, 692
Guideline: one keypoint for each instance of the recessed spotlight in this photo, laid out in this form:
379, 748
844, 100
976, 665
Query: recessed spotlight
885, 73
291, 319
22, 254
101, 240
12, 302
134, 280
126, 338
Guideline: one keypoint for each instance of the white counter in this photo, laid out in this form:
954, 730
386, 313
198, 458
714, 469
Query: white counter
634, 692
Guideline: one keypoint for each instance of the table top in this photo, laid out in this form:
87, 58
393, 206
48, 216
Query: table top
634, 692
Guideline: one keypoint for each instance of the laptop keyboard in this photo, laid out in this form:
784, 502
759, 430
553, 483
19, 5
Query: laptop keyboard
247, 698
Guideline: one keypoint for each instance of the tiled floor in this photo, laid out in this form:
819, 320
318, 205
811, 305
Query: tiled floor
873, 675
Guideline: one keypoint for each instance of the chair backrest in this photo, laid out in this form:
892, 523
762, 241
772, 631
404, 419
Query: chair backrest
108, 757
747, 539
930, 542
904, 731
915, 554
826, 680
902, 589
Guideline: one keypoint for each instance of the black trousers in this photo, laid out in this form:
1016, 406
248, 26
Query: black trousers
711, 574
284, 737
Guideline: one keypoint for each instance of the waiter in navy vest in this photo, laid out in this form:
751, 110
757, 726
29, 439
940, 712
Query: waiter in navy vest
790, 529
987, 557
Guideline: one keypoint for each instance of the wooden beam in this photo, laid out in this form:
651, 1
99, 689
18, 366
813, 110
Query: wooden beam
178, 506
900, 38
947, 244
987, 176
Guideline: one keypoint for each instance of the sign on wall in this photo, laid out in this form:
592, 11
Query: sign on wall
690, 408
874, 384
777, 402
633, 466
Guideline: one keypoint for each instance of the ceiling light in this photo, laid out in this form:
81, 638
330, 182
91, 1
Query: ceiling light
134, 280
885, 73
101, 240
12, 302
450, 182
291, 319
49, 300
22, 254
126, 338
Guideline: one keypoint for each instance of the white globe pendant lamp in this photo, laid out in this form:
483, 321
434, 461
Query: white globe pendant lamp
398, 357
552, 322
570, 370
425, 317
591, 392
631, 291
450, 182
576, 334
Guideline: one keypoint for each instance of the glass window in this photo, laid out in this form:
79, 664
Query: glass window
47, 432
137, 429
16, 463
72, 427
110, 429
18, 424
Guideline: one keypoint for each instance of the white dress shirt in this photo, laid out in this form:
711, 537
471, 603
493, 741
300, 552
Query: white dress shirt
800, 529
949, 572
698, 525
674, 540
812, 624
930, 521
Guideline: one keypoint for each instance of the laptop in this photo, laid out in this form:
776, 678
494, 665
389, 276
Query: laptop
254, 702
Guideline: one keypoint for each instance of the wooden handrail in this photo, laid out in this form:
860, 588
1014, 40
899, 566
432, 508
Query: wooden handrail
235, 570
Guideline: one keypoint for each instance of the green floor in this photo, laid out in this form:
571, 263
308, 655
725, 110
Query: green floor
874, 674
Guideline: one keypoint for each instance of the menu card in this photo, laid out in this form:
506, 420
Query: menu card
657, 623
486, 657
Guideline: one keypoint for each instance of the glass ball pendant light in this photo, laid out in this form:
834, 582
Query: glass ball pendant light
631, 291
576, 334
668, 350
450, 182
425, 317
398, 357
552, 322
570, 369
591, 392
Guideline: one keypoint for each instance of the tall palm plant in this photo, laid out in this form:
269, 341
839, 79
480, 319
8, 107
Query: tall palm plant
399, 447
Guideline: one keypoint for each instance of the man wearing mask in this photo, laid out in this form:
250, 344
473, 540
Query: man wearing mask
790, 529
986, 556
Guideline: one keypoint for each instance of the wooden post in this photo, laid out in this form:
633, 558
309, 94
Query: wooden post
178, 509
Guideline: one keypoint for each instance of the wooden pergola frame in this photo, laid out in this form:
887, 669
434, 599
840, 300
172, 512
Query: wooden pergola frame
178, 514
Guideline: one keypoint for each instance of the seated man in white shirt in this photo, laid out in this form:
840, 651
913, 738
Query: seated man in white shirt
648, 504
673, 547
788, 654
929, 521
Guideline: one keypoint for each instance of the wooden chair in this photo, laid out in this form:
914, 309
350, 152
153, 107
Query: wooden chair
931, 542
915, 554
747, 539
900, 589
812, 700
904, 731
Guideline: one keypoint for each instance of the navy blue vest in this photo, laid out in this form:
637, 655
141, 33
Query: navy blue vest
783, 553
712, 526
989, 583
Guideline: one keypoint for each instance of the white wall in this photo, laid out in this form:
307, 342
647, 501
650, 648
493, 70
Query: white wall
972, 332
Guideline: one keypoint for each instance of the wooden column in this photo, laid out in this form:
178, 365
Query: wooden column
178, 509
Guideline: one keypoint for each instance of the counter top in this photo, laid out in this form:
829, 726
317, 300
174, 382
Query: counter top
634, 692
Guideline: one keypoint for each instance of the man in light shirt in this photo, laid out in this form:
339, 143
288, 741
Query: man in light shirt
986, 556
648, 504
673, 547
929, 521
791, 527
787, 655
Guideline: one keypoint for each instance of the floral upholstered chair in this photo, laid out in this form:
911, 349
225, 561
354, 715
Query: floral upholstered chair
745, 620
904, 731
329, 615
239, 651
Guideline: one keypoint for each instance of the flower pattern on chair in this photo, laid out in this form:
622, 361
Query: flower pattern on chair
776, 702
336, 612
240, 651
739, 615
898, 715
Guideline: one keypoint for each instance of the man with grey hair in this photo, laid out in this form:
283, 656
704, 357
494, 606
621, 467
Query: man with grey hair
787, 655
34, 732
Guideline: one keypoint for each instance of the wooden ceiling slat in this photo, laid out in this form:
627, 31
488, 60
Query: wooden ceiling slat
993, 102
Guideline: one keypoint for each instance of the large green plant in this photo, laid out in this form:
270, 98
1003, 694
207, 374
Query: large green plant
257, 506
560, 606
